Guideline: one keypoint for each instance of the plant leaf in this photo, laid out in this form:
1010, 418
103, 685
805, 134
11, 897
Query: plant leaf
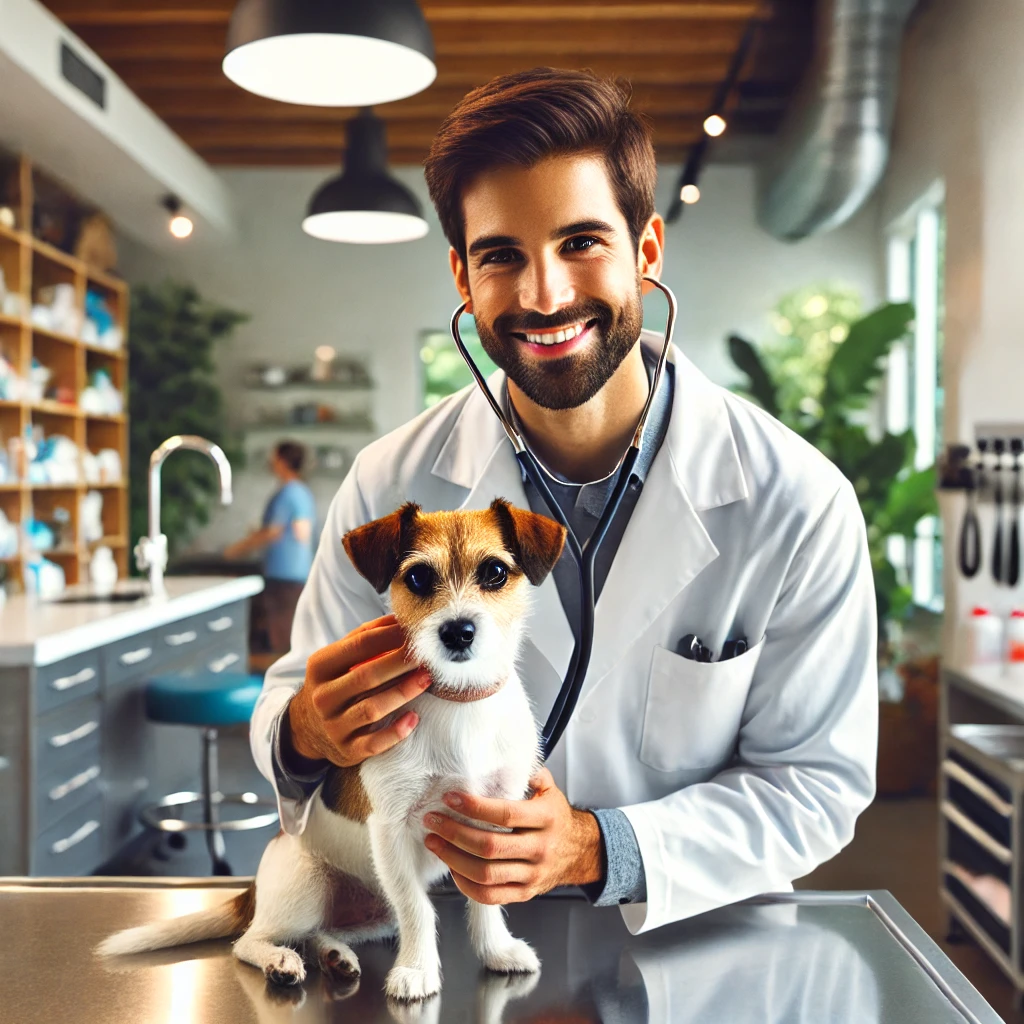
857, 363
910, 500
762, 387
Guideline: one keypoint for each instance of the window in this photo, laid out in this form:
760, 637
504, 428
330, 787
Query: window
914, 387
444, 369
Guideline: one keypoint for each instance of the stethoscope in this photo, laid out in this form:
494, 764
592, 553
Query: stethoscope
583, 555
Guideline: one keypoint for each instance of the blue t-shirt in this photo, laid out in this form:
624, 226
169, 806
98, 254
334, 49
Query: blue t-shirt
289, 558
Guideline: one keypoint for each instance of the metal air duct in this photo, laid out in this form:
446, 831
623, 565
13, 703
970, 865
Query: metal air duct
834, 143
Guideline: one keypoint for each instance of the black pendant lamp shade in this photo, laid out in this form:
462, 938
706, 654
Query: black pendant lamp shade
330, 53
364, 204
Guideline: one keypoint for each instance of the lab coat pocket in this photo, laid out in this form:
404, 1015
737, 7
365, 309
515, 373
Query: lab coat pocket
694, 709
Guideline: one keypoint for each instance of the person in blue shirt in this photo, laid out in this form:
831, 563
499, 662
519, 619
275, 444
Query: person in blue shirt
286, 538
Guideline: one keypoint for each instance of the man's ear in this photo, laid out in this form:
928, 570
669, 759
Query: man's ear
376, 548
651, 252
461, 276
535, 540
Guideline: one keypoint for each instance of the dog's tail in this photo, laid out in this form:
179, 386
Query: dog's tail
230, 918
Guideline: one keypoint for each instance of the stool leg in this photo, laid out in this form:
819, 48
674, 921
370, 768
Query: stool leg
214, 836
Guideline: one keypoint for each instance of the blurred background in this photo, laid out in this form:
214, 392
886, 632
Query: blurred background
841, 184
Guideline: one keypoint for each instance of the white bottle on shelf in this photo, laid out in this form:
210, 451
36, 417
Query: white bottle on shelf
981, 638
1015, 645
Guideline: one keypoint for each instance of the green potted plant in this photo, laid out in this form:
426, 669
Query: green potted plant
174, 390
819, 377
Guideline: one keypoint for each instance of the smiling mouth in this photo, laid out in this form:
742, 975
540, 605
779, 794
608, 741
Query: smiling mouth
558, 336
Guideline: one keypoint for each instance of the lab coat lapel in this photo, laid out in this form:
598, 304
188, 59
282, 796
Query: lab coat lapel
665, 545
478, 456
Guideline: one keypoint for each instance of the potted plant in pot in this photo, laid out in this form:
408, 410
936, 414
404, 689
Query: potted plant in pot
820, 380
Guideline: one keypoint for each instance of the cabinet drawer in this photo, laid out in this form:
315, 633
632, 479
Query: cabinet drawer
73, 846
67, 681
134, 657
65, 735
65, 789
231, 618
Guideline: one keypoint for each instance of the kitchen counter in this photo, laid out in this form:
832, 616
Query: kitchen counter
79, 758
42, 632
794, 958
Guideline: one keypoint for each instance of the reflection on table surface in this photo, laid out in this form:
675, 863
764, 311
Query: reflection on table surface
759, 963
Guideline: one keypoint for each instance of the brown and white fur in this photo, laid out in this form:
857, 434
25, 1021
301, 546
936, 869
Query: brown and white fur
360, 871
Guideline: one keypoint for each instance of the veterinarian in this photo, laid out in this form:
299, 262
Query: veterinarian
680, 784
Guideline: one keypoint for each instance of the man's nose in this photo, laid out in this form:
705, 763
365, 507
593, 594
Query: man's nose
545, 286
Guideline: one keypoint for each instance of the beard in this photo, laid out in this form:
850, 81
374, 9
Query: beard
571, 380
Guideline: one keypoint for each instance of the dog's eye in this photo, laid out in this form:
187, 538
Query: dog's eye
493, 575
420, 579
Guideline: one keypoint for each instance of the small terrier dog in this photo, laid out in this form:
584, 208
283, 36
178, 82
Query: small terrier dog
459, 587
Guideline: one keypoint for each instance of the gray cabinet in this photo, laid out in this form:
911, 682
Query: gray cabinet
79, 758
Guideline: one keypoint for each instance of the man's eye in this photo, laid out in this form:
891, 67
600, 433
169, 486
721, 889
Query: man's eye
493, 575
581, 243
420, 579
500, 256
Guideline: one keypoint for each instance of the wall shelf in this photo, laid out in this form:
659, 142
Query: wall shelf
28, 264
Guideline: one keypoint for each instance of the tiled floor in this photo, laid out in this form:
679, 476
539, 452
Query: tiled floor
894, 848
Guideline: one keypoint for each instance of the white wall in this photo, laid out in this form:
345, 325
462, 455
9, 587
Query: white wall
376, 299
959, 118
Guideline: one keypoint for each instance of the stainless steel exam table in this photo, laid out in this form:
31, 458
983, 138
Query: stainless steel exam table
804, 957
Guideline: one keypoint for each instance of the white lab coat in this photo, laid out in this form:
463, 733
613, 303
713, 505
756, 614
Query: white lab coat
737, 777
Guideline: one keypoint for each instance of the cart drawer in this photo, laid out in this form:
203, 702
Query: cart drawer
64, 681
72, 846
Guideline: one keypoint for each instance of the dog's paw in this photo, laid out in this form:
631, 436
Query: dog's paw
338, 960
514, 957
285, 968
411, 984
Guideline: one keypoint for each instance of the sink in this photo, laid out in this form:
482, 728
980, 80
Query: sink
115, 598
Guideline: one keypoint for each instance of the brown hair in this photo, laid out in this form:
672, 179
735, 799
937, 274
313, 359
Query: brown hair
520, 119
292, 454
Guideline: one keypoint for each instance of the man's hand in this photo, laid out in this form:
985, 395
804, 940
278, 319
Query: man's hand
551, 843
349, 706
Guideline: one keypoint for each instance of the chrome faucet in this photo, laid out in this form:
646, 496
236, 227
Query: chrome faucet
151, 551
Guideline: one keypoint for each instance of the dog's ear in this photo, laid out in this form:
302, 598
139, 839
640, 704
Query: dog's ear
376, 548
535, 540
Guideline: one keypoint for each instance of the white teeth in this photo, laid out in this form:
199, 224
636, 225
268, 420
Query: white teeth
556, 337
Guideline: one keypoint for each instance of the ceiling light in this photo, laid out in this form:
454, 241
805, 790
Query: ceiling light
364, 204
689, 194
179, 225
714, 125
330, 53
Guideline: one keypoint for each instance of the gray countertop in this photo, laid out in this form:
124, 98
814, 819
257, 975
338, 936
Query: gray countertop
40, 632
800, 958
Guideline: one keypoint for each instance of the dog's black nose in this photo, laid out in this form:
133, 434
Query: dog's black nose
458, 634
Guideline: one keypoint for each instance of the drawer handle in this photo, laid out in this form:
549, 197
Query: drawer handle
180, 639
63, 845
220, 664
134, 657
219, 625
75, 782
64, 738
66, 682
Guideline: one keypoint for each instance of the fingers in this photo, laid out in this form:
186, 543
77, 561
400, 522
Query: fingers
371, 744
483, 872
361, 645
482, 842
492, 895
517, 814
387, 682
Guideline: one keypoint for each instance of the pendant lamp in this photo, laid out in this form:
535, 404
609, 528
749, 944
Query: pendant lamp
330, 53
364, 204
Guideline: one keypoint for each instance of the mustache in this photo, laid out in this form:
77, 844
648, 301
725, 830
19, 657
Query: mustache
520, 323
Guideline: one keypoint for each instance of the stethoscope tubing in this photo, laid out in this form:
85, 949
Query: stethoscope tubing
584, 556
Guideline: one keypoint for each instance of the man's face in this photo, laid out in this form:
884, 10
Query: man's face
553, 277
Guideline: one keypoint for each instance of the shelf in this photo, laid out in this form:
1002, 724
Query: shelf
100, 350
103, 417
12, 321
292, 428
110, 542
13, 235
105, 280
981, 935
64, 339
54, 408
313, 385
55, 255
56, 487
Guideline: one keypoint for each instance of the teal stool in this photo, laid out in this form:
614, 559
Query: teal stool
208, 700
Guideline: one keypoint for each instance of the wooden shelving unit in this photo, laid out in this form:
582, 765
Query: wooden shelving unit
29, 264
